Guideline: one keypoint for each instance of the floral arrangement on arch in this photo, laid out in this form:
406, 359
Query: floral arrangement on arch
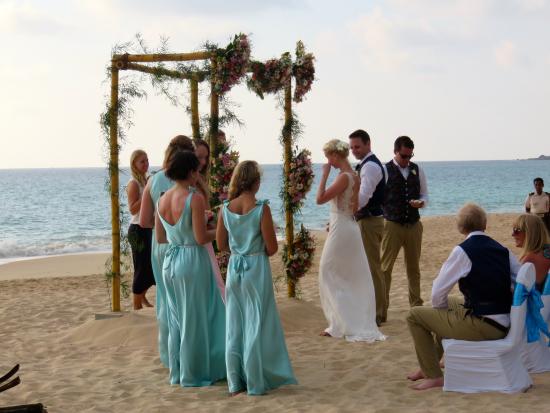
231, 64
303, 71
299, 179
221, 169
304, 250
271, 76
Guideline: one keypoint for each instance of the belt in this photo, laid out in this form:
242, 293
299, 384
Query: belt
488, 320
493, 323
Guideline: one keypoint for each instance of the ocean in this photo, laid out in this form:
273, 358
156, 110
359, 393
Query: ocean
61, 211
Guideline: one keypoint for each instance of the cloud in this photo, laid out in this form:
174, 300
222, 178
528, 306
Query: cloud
388, 41
531, 5
201, 7
23, 18
506, 54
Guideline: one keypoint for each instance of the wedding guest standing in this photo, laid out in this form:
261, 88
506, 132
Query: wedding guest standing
369, 213
538, 202
531, 236
202, 150
405, 193
345, 283
256, 354
484, 271
156, 186
196, 322
139, 237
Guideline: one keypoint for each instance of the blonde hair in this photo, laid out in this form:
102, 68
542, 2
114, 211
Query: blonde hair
536, 235
336, 146
137, 175
178, 143
471, 217
245, 176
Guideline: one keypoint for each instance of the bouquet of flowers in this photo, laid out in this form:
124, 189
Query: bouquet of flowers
303, 71
271, 76
299, 180
302, 258
221, 170
231, 64
223, 262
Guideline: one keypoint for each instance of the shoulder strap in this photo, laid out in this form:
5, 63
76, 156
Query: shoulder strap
188, 199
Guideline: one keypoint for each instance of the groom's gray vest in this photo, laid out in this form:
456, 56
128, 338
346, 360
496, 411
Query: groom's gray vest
374, 205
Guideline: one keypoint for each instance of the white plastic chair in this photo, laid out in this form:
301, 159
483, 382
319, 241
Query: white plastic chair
536, 356
492, 365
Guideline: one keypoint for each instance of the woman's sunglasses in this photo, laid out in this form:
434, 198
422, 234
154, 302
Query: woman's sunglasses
516, 231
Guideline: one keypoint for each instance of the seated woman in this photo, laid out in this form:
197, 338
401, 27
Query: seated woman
531, 236
483, 270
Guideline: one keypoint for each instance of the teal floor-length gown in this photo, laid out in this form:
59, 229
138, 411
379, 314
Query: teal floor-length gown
159, 185
196, 313
256, 354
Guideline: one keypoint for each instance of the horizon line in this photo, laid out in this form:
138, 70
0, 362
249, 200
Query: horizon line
267, 164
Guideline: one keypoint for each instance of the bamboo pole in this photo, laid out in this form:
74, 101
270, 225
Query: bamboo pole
194, 86
163, 57
160, 71
287, 138
214, 116
113, 172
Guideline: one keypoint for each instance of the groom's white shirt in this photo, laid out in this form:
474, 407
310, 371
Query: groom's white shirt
458, 266
370, 175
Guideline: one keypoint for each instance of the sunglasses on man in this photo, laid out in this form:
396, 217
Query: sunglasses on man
406, 156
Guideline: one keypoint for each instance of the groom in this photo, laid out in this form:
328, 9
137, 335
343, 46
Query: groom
369, 213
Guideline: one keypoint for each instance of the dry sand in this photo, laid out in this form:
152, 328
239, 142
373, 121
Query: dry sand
73, 363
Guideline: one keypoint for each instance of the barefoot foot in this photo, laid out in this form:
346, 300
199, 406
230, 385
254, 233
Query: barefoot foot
325, 334
428, 384
417, 375
137, 302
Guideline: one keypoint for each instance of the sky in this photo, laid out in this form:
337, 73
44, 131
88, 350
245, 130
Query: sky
465, 79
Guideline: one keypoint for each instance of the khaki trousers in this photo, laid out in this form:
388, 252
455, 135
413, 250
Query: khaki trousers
410, 238
372, 231
429, 326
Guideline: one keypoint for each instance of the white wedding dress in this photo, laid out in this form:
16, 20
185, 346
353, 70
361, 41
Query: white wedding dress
345, 280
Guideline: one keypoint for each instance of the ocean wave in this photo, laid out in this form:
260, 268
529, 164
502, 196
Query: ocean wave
14, 249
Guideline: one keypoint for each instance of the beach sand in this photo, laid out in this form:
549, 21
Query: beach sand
72, 362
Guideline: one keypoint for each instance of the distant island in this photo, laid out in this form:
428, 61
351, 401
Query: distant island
540, 158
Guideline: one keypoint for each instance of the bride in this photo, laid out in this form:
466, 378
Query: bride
345, 281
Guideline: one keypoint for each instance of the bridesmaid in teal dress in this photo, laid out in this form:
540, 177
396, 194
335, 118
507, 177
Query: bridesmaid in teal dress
156, 186
256, 354
196, 320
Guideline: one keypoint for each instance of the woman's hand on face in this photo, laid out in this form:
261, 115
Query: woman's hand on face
326, 169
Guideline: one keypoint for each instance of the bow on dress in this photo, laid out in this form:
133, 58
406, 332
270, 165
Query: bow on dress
533, 320
240, 265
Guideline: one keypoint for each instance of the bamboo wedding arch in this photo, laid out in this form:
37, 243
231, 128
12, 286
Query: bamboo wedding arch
138, 62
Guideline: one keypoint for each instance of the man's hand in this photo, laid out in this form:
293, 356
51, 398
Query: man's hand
416, 203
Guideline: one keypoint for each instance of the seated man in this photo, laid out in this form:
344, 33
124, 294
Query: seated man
484, 271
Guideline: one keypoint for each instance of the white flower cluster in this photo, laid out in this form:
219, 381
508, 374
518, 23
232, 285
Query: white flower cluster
342, 146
